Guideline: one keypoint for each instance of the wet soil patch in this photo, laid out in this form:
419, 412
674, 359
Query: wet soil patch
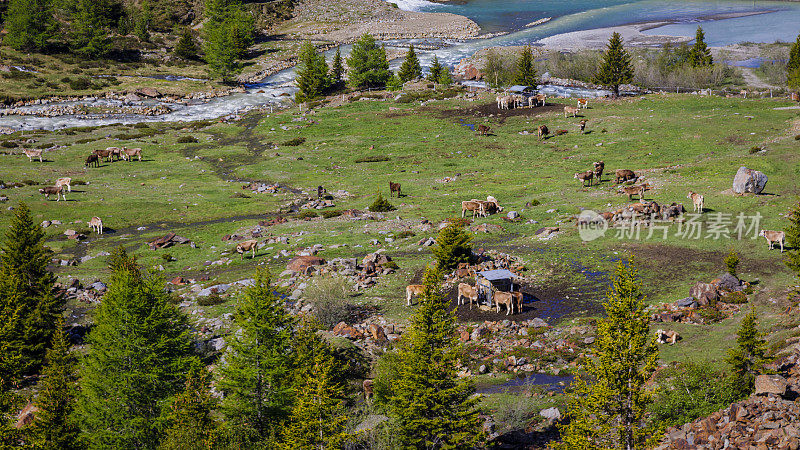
490, 110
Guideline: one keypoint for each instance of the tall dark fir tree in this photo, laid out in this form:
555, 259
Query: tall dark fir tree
793, 65
526, 73
411, 68
616, 68
700, 55
337, 68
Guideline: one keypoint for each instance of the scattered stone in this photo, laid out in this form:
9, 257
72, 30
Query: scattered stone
551, 414
771, 384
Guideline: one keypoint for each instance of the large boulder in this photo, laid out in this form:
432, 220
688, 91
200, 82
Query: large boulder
749, 181
300, 264
705, 293
727, 282
771, 384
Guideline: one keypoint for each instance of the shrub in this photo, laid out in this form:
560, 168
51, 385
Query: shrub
405, 234
78, 183
168, 257
755, 149
85, 141
710, 314
330, 213
140, 125
734, 297
9, 144
329, 296
80, 83
381, 205
187, 140
732, 261
307, 214
294, 142
516, 412
372, 159
29, 183
211, 300
534, 202
452, 247
690, 392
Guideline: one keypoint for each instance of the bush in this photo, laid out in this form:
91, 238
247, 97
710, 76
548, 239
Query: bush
211, 300
329, 296
138, 126
405, 234
9, 144
690, 392
294, 142
372, 159
239, 195
737, 298
797, 137
168, 257
79, 183
710, 314
80, 83
534, 202
516, 412
452, 247
187, 140
381, 205
755, 149
387, 371
732, 262
307, 214
29, 183
331, 213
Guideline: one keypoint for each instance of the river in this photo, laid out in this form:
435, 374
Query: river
510, 17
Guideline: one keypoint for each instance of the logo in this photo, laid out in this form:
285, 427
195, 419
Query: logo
591, 225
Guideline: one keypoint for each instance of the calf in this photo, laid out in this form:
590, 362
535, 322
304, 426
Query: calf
321, 191
583, 103
66, 181
483, 130
92, 160
542, 132
541, 99
472, 205
662, 337
633, 190
394, 187
532, 101
624, 175
583, 126
774, 236
96, 224
104, 154
129, 153
504, 298
571, 110
697, 200
492, 204
58, 191
583, 176
247, 246
413, 291
30, 153
466, 292
599, 167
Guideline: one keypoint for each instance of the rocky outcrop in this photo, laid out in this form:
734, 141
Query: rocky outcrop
748, 181
705, 293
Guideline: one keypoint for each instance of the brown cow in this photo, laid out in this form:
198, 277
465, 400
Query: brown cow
483, 130
633, 190
466, 292
624, 175
413, 291
542, 132
96, 224
504, 298
571, 110
541, 99
394, 187
697, 200
599, 167
368, 389
92, 159
115, 151
321, 191
58, 191
583, 176
774, 236
662, 337
247, 246
66, 181
129, 153
583, 126
476, 206
30, 153
583, 103
104, 154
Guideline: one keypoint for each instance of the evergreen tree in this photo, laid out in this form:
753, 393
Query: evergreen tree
436, 70
317, 419
28, 306
337, 69
186, 48
445, 78
30, 25
368, 64
394, 83
452, 246
793, 65
747, 359
229, 31
700, 55
257, 375
793, 241
526, 73
431, 408
139, 352
616, 68
142, 17
54, 426
410, 69
608, 403
732, 261
190, 425
89, 36
312, 74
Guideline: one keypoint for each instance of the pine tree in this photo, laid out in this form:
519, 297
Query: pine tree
368, 64
29, 24
257, 375
793, 241
229, 32
732, 261
616, 68
411, 68
526, 73
89, 36
747, 359
608, 403
54, 426
337, 69
186, 48
452, 246
220, 54
28, 306
139, 352
436, 70
317, 419
430, 406
190, 425
312, 74
793, 65
700, 55
445, 78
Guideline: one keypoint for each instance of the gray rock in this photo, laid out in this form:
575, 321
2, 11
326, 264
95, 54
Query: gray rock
371, 422
551, 413
749, 181
98, 286
728, 282
46, 223
771, 384
538, 323
512, 215
216, 344
219, 288
589, 340
687, 302
482, 369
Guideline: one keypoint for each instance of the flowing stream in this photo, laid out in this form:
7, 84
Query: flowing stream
506, 16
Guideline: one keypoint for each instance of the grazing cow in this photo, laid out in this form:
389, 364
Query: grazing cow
492, 205
583, 126
247, 246
633, 190
541, 99
30, 153
58, 191
499, 100
483, 130
394, 187
129, 153
92, 159
472, 205
583, 103
321, 191
542, 132
413, 291
368, 389
662, 337
103, 154
571, 110
583, 176
519, 100
96, 224
466, 292
624, 175
599, 167
697, 200
66, 181
504, 298
532, 101
774, 236
115, 151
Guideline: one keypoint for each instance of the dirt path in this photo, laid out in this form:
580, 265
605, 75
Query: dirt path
754, 80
